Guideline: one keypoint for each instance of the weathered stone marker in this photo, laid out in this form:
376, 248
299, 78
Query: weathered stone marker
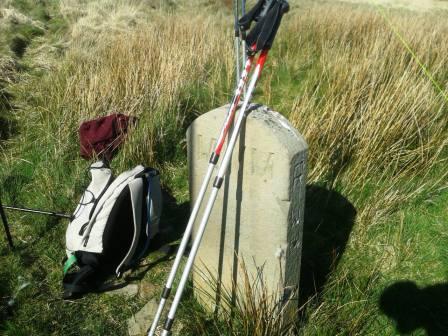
258, 215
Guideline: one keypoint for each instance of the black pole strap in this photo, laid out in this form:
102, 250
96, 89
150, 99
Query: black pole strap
267, 14
255, 14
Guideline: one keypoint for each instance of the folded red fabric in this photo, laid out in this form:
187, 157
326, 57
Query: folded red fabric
101, 137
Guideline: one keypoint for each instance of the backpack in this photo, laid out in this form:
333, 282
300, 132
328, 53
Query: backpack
111, 227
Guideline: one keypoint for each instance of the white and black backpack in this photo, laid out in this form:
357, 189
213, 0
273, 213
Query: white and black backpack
111, 226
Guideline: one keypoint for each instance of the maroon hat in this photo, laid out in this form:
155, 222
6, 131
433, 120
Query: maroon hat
102, 137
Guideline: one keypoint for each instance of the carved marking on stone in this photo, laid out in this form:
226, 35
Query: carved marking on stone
268, 169
211, 146
204, 147
282, 204
200, 147
262, 164
253, 161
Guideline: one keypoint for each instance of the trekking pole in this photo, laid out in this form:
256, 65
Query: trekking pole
39, 212
213, 160
34, 211
264, 33
6, 226
216, 186
212, 163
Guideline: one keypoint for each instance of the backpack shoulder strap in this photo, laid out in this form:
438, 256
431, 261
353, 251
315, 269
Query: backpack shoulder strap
136, 188
151, 226
101, 179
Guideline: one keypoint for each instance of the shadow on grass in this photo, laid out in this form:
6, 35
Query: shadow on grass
329, 219
4, 297
8, 126
414, 308
11, 188
25, 249
173, 221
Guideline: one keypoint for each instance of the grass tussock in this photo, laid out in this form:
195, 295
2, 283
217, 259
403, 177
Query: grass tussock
248, 308
139, 72
376, 125
92, 19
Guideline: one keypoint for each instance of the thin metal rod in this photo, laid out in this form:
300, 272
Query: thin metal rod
237, 58
237, 41
180, 252
212, 163
6, 226
39, 212
243, 43
214, 193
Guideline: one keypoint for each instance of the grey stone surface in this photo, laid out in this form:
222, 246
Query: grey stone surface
147, 290
144, 289
128, 290
139, 323
258, 215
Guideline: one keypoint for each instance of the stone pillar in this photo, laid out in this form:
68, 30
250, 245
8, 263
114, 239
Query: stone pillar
258, 215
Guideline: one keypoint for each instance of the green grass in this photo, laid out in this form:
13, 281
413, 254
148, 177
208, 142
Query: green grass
409, 246
359, 262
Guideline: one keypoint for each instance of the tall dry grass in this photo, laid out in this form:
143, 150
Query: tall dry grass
156, 70
249, 307
92, 19
163, 69
376, 125
368, 112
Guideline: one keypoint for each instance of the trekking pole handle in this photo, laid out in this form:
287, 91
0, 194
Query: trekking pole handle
268, 15
254, 14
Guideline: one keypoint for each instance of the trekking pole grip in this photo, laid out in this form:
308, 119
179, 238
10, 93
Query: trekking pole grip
268, 15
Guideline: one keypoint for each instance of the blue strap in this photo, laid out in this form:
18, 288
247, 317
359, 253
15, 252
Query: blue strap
149, 175
148, 219
148, 204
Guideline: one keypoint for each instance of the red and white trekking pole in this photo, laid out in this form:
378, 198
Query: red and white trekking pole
214, 193
268, 14
211, 166
261, 39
